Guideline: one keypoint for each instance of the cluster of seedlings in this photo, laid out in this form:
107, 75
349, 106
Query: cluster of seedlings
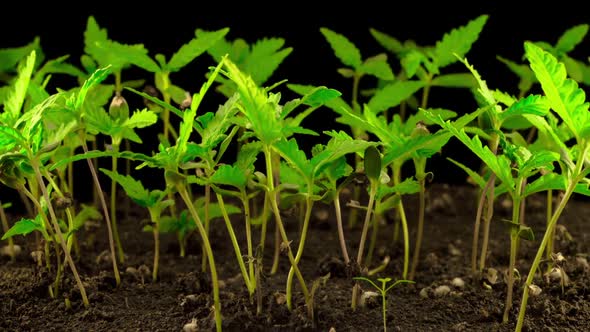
528, 143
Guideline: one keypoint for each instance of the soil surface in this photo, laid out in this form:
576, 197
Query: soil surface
183, 293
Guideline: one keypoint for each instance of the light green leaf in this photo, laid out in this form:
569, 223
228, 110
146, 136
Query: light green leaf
18, 92
458, 41
197, 46
456, 80
393, 94
378, 67
264, 58
483, 89
343, 48
406, 187
295, 157
339, 145
23, 227
132, 187
475, 176
87, 212
564, 95
231, 176
388, 42
549, 181
141, 119
96, 78
157, 101
10, 138
571, 38
532, 104
10, 57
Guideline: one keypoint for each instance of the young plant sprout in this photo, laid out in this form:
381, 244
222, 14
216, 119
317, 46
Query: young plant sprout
383, 290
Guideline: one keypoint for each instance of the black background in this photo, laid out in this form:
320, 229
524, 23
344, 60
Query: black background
164, 26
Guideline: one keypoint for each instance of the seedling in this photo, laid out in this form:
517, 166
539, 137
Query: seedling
383, 290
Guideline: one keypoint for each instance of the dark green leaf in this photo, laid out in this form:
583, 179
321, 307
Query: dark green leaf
372, 162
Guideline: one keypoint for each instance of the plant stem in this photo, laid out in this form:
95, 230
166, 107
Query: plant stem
374, 230
307, 217
35, 166
359, 257
5, 228
420, 231
105, 210
549, 213
406, 234
234, 242
277, 253
516, 202
279, 223
480, 205
486, 224
341, 229
113, 206
47, 229
207, 222
572, 182
208, 251
251, 258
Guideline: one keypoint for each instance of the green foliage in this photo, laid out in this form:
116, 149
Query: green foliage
23, 227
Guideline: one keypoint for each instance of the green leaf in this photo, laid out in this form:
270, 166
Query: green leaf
344, 49
378, 67
23, 227
549, 181
10, 138
571, 38
337, 104
57, 66
261, 111
141, 119
339, 145
264, 58
388, 42
86, 213
538, 160
197, 46
18, 93
564, 95
10, 57
158, 102
526, 233
532, 104
458, 41
393, 94
96, 78
456, 80
320, 96
231, 176
475, 176
483, 89
132, 187
295, 157
372, 162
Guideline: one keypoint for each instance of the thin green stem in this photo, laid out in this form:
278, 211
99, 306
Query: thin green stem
247, 226
420, 231
516, 202
307, 217
113, 206
105, 210
207, 222
36, 169
234, 242
549, 213
208, 251
480, 205
279, 223
572, 182
340, 229
359, 257
5, 227
406, 234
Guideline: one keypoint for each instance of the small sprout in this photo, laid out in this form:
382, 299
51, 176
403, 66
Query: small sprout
103, 257
424, 292
280, 298
491, 276
144, 272
557, 274
535, 290
454, 251
10, 251
582, 264
458, 282
64, 202
37, 256
558, 259
192, 326
442, 290
368, 299
322, 214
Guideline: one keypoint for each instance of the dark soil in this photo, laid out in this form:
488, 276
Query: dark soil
183, 293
